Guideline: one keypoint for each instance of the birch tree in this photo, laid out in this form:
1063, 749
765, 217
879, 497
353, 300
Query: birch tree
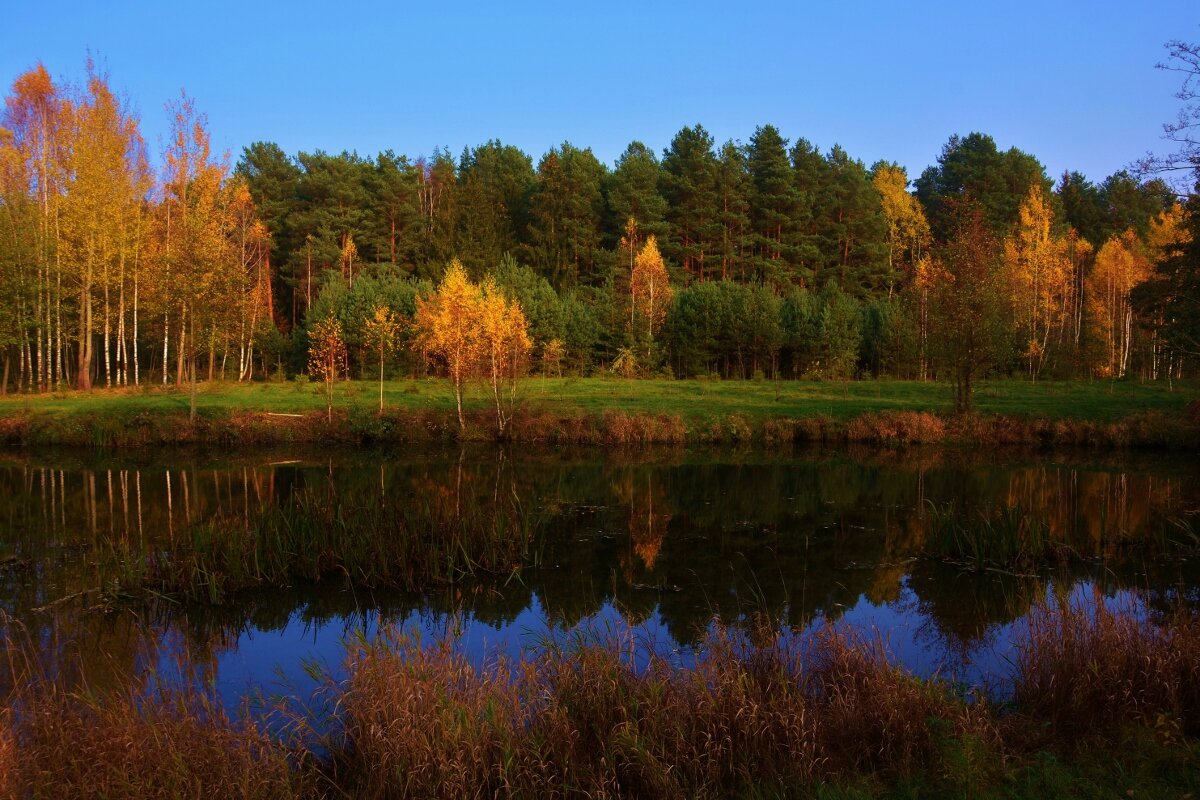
446, 331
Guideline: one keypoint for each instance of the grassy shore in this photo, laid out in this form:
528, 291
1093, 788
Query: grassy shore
1104, 704
611, 410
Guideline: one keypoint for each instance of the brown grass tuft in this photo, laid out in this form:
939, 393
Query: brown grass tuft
760, 715
1086, 671
178, 744
903, 427
620, 428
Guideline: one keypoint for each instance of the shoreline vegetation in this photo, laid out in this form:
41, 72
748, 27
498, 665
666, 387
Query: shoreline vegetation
1101, 702
614, 412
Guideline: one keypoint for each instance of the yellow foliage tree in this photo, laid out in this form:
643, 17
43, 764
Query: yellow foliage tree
381, 331
505, 346
1120, 265
1168, 232
327, 356
106, 186
650, 287
446, 327
908, 229
1040, 273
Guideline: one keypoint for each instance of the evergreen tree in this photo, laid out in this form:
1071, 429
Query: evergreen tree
853, 227
1083, 207
973, 167
689, 170
567, 210
775, 202
633, 193
393, 229
811, 174
495, 184
733, 191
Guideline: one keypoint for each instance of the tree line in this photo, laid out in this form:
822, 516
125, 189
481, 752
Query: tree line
778, 259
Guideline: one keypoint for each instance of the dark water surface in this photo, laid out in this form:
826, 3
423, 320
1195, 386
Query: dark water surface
658, 541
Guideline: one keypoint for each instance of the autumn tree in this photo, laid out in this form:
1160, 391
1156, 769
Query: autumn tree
504, 347
1121, 264
650, 288
250, 250
967, 303
381, 332
327, 356
908, 240
908, 234
195, 241
1040, 278
106, 186
36, 115
1168, 301
552, 357
445, 328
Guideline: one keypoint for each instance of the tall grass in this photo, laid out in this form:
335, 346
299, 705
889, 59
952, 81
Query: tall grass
1087, 670
764, 719
147, 739
1007, 537
764, 714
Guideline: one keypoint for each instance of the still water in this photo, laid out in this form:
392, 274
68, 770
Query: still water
653, 543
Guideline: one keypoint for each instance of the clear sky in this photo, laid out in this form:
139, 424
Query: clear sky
1073, 83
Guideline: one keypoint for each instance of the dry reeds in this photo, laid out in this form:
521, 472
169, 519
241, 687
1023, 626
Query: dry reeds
122, 745
769, 718
764, 713
147, 739
1086, 670
903, 427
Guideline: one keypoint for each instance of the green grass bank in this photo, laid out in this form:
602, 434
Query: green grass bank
616, 411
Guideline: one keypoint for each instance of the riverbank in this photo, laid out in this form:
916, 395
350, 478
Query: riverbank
1103, 703
601, 411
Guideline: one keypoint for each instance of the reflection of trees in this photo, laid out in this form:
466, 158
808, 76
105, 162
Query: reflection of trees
641, 491
738, 533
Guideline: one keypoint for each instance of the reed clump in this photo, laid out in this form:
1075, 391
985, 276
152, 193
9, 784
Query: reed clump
767, 718
145, 739
758, 713
897, 427
1089, 670
122, 745
1007, 538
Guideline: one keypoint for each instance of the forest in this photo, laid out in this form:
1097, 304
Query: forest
771, 258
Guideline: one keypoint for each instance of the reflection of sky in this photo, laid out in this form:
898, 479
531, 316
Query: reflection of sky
273, 662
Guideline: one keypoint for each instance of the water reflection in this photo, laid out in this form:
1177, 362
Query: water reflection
662, 540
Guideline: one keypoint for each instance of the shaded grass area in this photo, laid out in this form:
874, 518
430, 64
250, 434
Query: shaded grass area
615, 411
1105, 704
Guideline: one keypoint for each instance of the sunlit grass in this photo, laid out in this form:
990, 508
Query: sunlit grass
692, 400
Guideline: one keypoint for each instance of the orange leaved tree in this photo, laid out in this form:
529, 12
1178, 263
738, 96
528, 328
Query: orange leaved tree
505, 346
327, 356
447, 327
650, 287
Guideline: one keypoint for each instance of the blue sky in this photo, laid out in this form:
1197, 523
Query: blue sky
1073, 83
